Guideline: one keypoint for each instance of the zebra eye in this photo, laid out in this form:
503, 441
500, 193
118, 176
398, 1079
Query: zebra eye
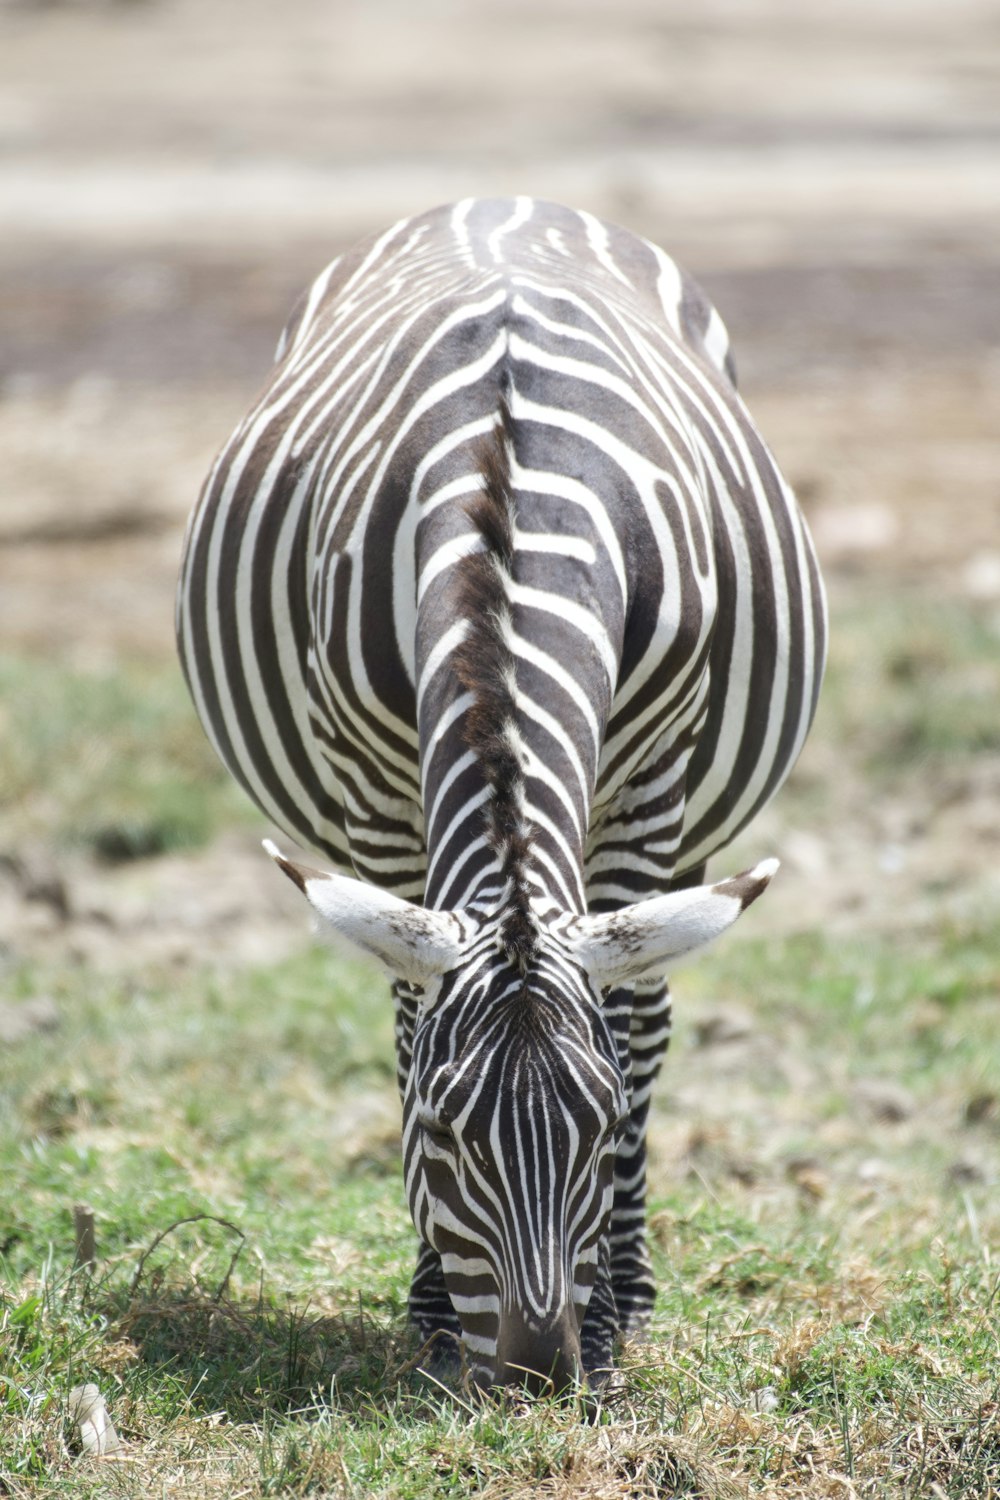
438, 1134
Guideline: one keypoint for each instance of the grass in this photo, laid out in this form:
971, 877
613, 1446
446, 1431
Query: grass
824, 1208
824, 1328
112, 762
913, 681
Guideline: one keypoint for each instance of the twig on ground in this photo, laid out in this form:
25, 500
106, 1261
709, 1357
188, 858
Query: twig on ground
192, 1219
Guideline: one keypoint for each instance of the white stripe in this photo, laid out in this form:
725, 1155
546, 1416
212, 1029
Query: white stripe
523, 208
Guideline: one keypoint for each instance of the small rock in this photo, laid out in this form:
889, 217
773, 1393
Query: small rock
808, 1176
41, 881
965, 1172
728, 1023
982, 1109
884, 1100
20, 1019
741, 1169
706, 1138
48, 889
981, 576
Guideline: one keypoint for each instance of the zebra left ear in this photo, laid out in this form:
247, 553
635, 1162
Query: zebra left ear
642, 939
413, 943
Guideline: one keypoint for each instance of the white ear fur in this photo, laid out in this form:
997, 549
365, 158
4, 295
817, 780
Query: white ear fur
642, 939
413, 943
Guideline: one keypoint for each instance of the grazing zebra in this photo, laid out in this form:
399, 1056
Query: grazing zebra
497, 599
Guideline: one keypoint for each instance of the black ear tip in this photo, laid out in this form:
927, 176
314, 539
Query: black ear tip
745, 888
294, 872
756, 881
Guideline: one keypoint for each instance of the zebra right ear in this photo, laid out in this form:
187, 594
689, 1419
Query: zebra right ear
411, 942
642, 939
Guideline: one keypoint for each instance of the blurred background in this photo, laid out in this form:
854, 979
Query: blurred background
824, 1144
172, 172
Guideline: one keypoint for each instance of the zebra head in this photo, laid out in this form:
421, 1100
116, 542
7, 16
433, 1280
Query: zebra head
515, 1097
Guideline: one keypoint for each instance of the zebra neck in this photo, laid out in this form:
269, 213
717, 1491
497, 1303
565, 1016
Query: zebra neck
501, 831
495, 842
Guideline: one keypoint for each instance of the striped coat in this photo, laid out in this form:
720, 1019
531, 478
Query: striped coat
497, 600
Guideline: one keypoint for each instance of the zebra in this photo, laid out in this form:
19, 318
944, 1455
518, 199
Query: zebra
496, 600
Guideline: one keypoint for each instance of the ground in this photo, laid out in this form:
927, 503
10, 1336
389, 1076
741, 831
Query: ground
831, 179
171, 175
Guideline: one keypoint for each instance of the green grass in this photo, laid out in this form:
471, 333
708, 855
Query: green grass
913, 681
824, 1189
814, 1321
111, 761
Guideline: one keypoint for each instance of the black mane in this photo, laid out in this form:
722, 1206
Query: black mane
485, 666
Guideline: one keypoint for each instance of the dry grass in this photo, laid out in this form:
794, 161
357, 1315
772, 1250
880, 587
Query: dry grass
824, 1153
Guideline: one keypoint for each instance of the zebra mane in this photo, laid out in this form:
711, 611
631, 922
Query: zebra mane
484, 663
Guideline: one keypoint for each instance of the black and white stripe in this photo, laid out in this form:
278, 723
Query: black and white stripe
497, 600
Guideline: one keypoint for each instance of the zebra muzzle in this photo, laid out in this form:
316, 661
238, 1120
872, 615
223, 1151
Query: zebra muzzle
543, 1362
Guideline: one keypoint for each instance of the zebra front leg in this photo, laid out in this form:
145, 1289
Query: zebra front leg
433, 1316
430, 1307
624, 1291
631, 1268
600, 1323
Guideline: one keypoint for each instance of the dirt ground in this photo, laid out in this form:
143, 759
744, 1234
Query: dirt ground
172, 172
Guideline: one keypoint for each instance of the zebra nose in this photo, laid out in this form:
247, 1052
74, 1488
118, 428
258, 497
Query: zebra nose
543, 1361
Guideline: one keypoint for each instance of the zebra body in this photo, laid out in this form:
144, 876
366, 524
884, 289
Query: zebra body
497, 600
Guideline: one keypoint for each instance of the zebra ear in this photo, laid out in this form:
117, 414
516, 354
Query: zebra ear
411, 942
642, 939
